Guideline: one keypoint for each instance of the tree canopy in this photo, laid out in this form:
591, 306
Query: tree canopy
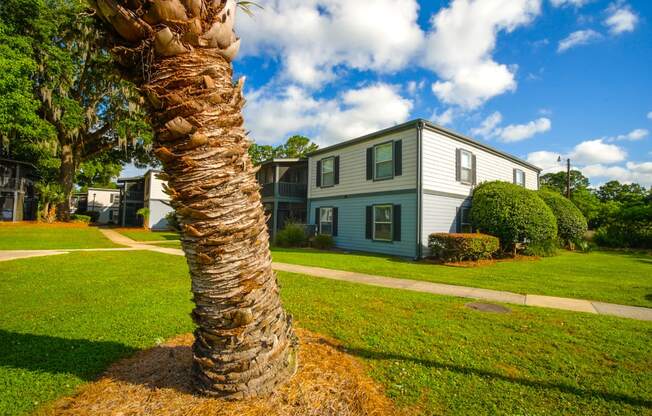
294, 147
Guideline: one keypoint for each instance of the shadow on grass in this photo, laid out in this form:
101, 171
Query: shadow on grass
537, 384
43, 353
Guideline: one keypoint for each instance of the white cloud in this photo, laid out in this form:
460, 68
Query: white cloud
490, 128
459, 48
574, 3
518, 132
545, 160
312, 38
649, 115
640, 173
274, 115
445, 118
487, 128
632, 136
621, 18
577, 38
596, 152
413, 87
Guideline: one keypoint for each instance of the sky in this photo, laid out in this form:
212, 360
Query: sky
536, 78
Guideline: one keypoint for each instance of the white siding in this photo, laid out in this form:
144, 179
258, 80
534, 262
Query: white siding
99, 200
353, 174
439, 216
439, 165
155, 190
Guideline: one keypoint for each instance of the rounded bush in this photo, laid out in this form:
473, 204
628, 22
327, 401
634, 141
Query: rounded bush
292, 235
513, 214
571, 224
323, 242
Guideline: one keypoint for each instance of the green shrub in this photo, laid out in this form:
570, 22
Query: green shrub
323, 242
541, 248
459, 247
93, 215
173, 221
571, 224
632, 228
513, 214
292, 235
80, 218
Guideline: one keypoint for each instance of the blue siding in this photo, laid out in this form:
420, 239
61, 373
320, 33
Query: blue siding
351, 222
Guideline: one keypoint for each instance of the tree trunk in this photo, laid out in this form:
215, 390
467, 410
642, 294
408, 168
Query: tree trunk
66, 179
244, 343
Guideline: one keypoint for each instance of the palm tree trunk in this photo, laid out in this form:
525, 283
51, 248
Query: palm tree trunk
244, 344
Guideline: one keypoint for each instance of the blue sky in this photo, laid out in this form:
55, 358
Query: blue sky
535, 78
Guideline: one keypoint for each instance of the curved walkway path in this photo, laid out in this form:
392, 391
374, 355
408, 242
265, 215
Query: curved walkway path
569, 304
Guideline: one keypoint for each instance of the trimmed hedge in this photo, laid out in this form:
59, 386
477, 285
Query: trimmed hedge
80, 218
571, 224
323, 242
460, 247
513, 214
292, 235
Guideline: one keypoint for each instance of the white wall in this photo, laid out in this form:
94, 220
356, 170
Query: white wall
155, 189
439, 165
102, 203
353, 170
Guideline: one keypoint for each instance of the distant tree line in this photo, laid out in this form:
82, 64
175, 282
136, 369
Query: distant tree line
294, 147
620, 213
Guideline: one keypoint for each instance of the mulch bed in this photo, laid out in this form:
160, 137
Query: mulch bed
157, 382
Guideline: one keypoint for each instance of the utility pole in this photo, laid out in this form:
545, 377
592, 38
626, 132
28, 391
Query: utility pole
568, 181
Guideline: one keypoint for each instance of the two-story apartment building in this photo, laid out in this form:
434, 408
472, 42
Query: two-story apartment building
387, 191
18, 199
104, 201
144, 192
284, 185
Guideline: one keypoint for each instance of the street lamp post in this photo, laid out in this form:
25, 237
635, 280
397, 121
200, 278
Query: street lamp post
93, 206
568, 179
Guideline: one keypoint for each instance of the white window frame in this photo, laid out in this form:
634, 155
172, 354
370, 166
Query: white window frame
325, 222
324, 184
516, 178
377, 162
463, 168
391, 222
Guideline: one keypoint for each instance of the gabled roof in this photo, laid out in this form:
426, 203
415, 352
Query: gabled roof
283, 160
413, 124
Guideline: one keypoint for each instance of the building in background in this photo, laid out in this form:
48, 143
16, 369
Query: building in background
284, 184
144, 192
18, 199
105, 202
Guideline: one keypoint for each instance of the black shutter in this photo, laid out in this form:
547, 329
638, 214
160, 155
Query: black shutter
397, 223
318, 173
458, 220
334, 222
317, 220
398, 158
336, 168
458, 165
473, 170
369, 218
370, 163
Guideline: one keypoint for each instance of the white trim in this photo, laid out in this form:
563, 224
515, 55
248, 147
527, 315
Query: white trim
391, 222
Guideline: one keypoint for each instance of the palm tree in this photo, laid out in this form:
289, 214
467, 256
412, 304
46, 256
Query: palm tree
181, 51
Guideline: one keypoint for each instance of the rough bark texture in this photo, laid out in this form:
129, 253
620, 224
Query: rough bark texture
66, 179
244, 343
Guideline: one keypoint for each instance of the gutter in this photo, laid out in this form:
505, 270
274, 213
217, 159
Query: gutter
420, 126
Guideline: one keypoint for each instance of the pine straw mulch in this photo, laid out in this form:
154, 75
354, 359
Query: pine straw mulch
157, 382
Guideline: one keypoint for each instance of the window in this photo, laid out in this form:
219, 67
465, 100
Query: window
383, 222
466, 167
328, 172
465, 220
383, 161
519, 177
113, 198
326, 221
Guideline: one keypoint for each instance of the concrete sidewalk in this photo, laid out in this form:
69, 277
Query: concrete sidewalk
568, 304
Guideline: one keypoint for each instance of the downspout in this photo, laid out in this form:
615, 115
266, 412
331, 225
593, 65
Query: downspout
420, 126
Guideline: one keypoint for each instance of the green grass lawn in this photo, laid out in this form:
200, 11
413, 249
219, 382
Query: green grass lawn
607, 276
51, 236
147, 235
169, 244
63, 319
